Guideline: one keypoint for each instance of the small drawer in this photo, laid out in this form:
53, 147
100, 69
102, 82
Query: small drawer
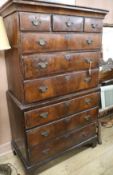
85, 41
40, 65
44, 88
61, 144
53, 112
38, 42
93, 25
35, 22
67, 23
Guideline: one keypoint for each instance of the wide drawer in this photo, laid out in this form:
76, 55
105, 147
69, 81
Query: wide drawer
43, 42
53, 112
35, 22
40, 65
61, 144
93, 25
55, 86
57, 128
67, 23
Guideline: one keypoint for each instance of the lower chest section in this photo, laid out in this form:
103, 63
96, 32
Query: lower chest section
53, 129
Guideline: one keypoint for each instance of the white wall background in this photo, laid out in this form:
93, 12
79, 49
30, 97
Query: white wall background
107, 42
72, 2
2, 2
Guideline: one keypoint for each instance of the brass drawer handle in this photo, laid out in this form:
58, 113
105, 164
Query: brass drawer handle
42, 65
88, 101
87, 118
94, 26
84, 134
67, 57
43, 89
67, 135
88, 60
87, 79
36, 21
69, 23
44, 115
42, 42
67, 103
89, 41
45, 133
67, 120
46, 151
67, 77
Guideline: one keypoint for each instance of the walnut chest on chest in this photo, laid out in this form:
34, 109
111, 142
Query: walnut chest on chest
52, 69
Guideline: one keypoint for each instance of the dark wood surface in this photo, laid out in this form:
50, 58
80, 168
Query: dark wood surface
37, 6
17, 124
67, 23
93, 25
35, 22
105, 76
12, 57
41, 42
56, 111
52, 69
41, 65
60, 144
46, 132
49, 87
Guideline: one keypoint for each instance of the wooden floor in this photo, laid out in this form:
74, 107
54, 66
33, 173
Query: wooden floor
87, 161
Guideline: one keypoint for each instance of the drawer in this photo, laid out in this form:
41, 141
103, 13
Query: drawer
61, 144
67, 23
43, 42
35, 22
53, 112
57, 128
45, 88
93, 25
40, 65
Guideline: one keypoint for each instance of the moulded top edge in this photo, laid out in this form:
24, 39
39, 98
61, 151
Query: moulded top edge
53, 5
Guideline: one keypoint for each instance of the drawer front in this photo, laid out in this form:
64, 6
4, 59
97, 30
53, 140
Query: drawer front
67, 23
35, 22
38, 42
57, 128
61, 144
93, 25
45, 88
40, 65
53, 112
